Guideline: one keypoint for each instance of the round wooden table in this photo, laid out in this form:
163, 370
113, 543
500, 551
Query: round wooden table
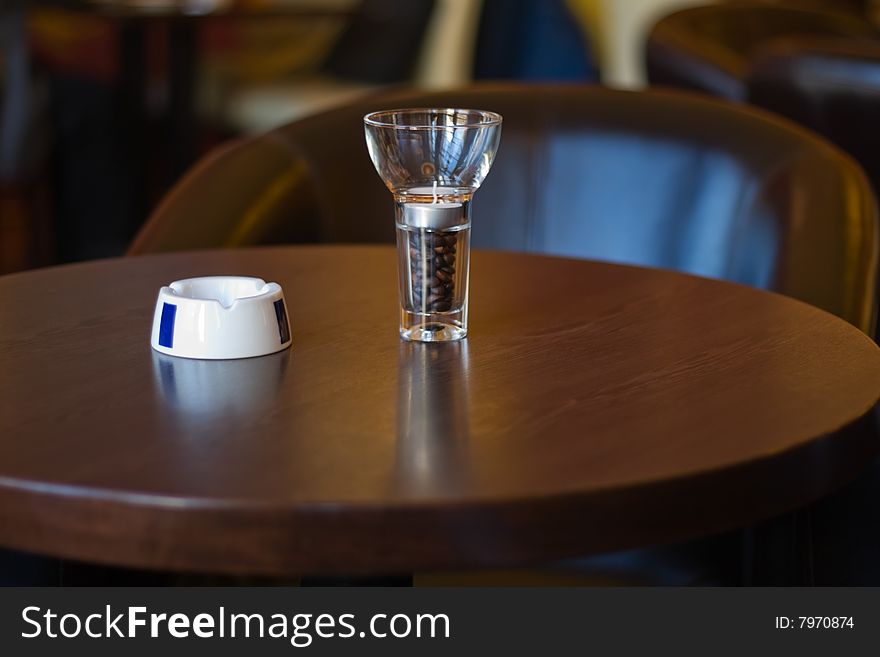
593, 407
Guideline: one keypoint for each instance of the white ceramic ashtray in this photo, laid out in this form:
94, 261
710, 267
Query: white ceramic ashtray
219, 317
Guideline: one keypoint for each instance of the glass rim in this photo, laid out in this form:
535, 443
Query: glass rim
485, 118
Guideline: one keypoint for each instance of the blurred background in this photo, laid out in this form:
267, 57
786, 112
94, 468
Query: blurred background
105, 103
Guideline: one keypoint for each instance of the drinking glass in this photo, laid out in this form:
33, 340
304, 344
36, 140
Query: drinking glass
433, 160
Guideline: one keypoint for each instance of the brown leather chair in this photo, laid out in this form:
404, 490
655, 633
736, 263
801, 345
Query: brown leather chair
831, 86
818, 67
710, 48
661, 179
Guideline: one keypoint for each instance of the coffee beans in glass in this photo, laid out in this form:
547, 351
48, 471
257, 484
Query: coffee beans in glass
433, 160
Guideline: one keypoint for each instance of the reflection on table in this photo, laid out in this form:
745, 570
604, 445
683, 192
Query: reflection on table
432, 415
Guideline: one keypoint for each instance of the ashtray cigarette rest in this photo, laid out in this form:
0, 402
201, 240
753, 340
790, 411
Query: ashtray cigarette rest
220, 317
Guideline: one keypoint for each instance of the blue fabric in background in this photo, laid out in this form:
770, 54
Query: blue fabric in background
531, 40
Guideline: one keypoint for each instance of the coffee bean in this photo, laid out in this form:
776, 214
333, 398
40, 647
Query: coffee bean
432, 263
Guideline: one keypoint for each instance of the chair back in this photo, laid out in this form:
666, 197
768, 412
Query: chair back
831, 86
652, 178
709, 48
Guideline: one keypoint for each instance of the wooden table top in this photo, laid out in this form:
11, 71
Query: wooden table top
592, 407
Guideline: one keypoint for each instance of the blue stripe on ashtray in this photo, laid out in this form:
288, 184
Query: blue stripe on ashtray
166, 325
281, 316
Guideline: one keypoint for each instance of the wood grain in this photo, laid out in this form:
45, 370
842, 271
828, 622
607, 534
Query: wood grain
592, 407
